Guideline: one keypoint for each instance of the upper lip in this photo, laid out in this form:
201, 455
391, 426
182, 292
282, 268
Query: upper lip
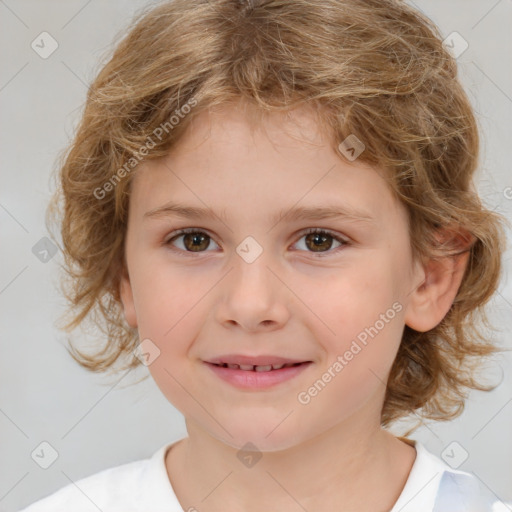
262, 360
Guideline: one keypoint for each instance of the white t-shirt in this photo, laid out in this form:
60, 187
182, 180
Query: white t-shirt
143, 485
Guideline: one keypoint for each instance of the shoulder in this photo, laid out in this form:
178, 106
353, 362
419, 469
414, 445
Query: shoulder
107, 490
434, 486
461, 489
116, 489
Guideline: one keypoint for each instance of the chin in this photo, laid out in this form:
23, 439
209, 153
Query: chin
279, 439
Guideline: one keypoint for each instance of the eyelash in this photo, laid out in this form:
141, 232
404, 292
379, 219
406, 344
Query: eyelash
320, 254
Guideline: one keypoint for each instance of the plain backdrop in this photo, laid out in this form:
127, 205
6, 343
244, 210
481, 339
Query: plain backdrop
95, 422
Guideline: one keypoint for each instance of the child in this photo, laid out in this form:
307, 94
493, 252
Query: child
271, 206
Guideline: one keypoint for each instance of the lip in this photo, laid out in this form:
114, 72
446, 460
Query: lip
251, 379
260, 360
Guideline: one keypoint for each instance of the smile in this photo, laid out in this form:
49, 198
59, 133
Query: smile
257, 377
257, 368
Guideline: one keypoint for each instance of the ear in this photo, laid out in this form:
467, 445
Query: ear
431, 300
126, 295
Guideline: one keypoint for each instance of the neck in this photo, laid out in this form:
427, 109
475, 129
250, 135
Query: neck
344, 468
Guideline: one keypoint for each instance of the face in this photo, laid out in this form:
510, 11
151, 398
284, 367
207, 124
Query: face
253, 278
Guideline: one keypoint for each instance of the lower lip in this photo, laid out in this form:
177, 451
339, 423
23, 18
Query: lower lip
250, 379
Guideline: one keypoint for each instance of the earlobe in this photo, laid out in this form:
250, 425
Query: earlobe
126, 295
431, 300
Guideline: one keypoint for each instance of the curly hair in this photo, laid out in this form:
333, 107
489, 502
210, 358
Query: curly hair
377, 69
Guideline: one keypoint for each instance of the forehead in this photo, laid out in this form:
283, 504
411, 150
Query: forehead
238, 158
244, 124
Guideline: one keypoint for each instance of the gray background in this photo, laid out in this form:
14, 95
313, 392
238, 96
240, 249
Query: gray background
94, 421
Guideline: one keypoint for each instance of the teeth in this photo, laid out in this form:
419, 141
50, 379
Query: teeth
266, 368
260, 368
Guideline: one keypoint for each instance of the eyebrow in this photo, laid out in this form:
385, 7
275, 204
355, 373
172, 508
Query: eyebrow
345, 212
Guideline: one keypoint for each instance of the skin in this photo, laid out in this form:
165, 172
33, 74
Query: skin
331, 453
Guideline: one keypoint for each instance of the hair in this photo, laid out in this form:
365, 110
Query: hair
376, 69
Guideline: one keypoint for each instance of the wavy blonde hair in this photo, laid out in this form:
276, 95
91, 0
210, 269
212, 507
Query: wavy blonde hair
373, 68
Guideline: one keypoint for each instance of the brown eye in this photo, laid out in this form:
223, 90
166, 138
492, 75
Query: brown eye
196, 241
190, 241
319, 242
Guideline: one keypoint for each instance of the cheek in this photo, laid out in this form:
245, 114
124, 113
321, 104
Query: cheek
354, 297
366, 319
165, 294
168, 313
171, 319
362, 320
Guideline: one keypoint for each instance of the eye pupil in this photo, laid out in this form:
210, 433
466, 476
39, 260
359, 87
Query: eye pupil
319, 238
195, 239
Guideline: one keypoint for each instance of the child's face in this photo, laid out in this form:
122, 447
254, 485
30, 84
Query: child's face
291, 301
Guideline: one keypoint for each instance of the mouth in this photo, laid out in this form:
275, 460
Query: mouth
258, 368
257, 377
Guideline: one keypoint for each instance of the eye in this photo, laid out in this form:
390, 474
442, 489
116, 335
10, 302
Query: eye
194, 240
321, 241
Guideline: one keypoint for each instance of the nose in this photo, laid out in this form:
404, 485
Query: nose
252, 297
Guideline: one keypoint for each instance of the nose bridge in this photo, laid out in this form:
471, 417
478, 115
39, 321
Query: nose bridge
251, 277
252, 295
